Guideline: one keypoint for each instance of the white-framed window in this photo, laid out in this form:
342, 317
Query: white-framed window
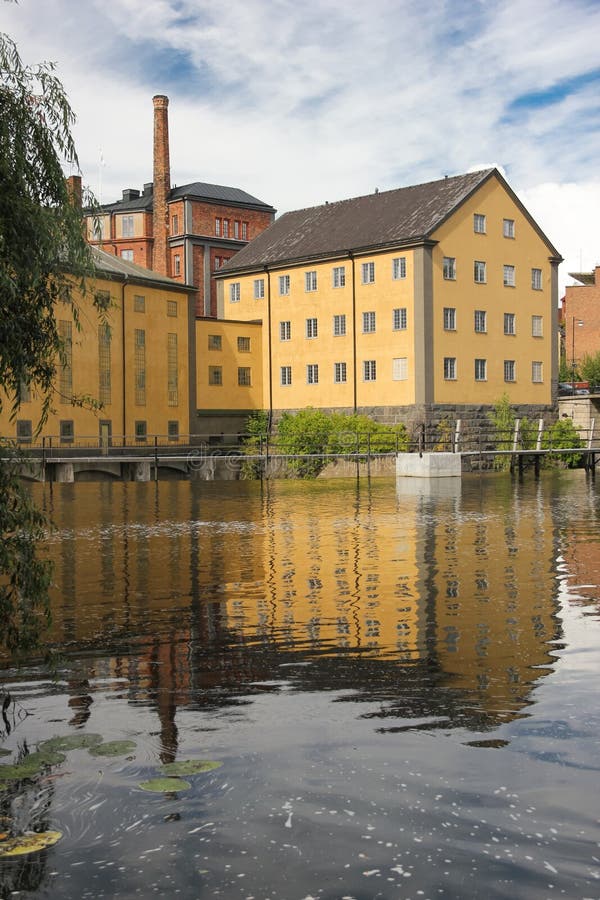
369, 370
339, 325
225, 227
244, 376
236, 229
479, 225
218, 226
312, 328
537, 372
175, 224
338, 276
480, 321
399, 267
285, 374
508, 228
450, 368
234, 292
399, 319
368, 272
312, 373
536, 279
449, 318
510, 323
127, 255
244, 231
481, 370
285, 331
537, 326
509, 370
509, 276
127, 226
310, 280
479, 273
368, 322
339, 372
284, 285
259, 288
400, 368
449, 268
177, 264
243, 344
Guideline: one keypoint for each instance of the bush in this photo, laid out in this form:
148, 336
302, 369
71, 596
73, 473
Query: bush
563, 434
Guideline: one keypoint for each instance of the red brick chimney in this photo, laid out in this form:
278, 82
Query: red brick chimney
74, 190
162, 184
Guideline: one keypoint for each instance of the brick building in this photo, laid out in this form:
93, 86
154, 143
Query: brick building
184, 232
580, 317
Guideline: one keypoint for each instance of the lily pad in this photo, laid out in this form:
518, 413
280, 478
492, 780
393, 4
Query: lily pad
31, 764
112, 748
160, 785
71, 742
190, 767
29, 843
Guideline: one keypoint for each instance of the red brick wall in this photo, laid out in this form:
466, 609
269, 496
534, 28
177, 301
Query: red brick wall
582, 303
198, 262
176, 209
204, 215
162, 183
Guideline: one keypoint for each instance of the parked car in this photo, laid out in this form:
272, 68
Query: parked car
565, 389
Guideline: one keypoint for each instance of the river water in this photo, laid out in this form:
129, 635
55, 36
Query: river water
400, 680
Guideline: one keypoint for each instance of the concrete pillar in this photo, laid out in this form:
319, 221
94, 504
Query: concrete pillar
429, 465
141, 470
63, 473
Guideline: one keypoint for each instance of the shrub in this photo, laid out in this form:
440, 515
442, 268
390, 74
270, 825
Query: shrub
563, 434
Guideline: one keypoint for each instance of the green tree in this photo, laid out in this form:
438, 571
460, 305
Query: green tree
590, 368
44, 260
563, 435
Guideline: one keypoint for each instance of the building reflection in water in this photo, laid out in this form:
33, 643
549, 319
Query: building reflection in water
435, 604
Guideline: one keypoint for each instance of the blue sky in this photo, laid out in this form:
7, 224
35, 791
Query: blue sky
299, 103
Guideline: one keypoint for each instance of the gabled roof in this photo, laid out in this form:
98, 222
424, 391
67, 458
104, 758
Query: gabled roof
212, 193
403, 216
119, 269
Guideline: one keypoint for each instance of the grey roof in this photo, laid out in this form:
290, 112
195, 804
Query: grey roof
121, 270
402, 216
213, 193
583, 277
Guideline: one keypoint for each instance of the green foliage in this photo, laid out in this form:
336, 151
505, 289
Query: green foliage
563, 434
253, 444
565, 371
503, 422
304, 437
590, 368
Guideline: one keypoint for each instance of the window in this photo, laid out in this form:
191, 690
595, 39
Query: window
399, 319
509, 323
215, 375
139, 303
311, 328
536, 279
173, 430
509, 370
236, 229
400, 368
177, 264
215, 342
339, 325
450, 268
479, 271
172, 379
285, 331
284, 285
312, 373
127, 255
172, 308
259, 288
339, 276
244, 231
369, 370
244, 376
65, 333
450, 368
102, 300
480, 320
126, 226
218, 226
310, 281
508, 228
286, 376
537, 372
225, 227
243, 344
24, 431
481, 370
140, 431
104, 366
509, 276
234, 292
449, 318
479, 223
140, 367
537, 326
175, 224
67, 431
399, 267
368, 322
339, 372
368, 272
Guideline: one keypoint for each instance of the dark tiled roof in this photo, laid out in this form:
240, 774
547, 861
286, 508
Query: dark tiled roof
144, 202
583, 277
115, 266
214, 193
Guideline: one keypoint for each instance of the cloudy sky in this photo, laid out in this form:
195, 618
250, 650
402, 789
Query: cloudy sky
302, 102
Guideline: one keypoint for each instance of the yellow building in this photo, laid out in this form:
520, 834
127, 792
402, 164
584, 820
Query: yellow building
126, 371
409, 304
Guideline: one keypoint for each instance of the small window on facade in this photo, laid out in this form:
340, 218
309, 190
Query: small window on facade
400, 368
173, 430
369, 370
310, 281
24, 431
139, 303
479, 223
509, 323
536, 279
244, 376
215, 375
102, 300
127, 226
368, 272
399, 319
479, 273
480, 320
225, 227
537, 326
177, 264
172, 308
175, 224
450, 368
509, 370
215, 342
140, 430
537, 372
285, 331
259, 288
368, 322
449, 318
509, 276
480, 370
244, 231
339, 372
243, 344
127, 255
312, 373
508, 228
67, 431
286, 376
312, 329
399, 267
339, 325
218, 226
339, 276
284, 285
236, 230
234, 292
450, 268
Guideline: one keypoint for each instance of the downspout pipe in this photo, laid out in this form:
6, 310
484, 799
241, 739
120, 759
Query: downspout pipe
354, 364
123, 368
269, 345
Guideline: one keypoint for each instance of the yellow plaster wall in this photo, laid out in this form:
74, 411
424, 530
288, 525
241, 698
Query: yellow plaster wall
229, 395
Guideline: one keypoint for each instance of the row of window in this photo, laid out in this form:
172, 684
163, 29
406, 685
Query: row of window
509, 366
480, 225
509, 276
244, 376
139, 305
480, 322
67, 430
215, 342
223, 228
